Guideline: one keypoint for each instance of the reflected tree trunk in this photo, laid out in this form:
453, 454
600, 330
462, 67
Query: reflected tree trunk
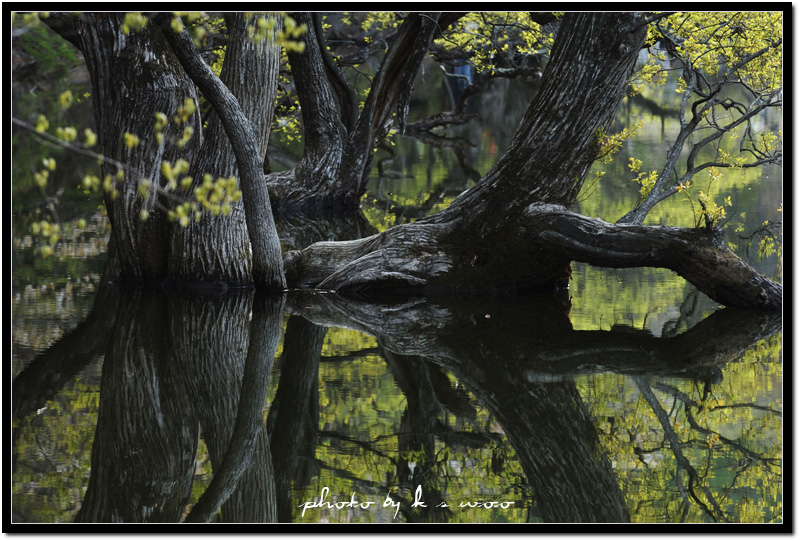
143, 455
557, 444
212, 342
246, 471
293, 421
520, 361
417, 437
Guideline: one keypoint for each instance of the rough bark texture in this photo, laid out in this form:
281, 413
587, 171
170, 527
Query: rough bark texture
244, 478
510, 231
266, 251
337, 157
143, 454
314, 181
134, 76
698, 255
217, 249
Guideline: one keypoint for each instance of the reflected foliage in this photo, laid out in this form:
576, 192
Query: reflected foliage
442, 402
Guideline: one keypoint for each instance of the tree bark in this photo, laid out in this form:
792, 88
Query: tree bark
511, 230
143, 455
266, 250
337, 158
217, 250
314, 182
227, 360
134, 76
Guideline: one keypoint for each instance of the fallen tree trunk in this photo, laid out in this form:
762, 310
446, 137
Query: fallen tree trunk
527, 255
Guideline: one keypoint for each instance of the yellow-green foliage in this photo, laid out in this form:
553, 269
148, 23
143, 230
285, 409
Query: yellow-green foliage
731, 436
480, 36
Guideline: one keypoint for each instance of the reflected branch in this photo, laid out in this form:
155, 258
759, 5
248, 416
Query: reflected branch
680, 458
688, 402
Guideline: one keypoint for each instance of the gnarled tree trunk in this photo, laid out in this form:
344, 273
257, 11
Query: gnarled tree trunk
339, 142
134, 76
512, 231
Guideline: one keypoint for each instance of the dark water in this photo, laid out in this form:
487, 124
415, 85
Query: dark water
630, 398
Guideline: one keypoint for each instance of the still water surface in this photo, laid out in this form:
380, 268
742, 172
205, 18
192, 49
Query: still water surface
629, 398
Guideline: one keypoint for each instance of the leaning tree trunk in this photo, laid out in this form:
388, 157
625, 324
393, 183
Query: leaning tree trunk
217, 249
512, 231
267, 267
154, 70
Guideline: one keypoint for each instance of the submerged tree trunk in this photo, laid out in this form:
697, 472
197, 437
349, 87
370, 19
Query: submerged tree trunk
136, 75
244, 140
512, 231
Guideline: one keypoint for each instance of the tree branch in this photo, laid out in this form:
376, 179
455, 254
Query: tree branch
695, 254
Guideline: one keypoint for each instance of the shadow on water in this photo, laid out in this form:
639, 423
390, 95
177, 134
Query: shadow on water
180, 367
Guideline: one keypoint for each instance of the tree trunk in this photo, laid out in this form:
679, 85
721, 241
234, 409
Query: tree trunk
293, 421
217, 249
241, 132
334, 168
511, 230
227, 359
314, 181
134, 76
143, 455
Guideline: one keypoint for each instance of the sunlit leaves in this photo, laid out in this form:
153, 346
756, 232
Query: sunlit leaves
65, 99
42, 123
67, 134
90, 138
481, 36
185, 111
646, 179
133, 21
747, 42
609, 144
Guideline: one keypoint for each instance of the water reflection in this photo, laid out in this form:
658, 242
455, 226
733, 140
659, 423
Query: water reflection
636, 405
477, 400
